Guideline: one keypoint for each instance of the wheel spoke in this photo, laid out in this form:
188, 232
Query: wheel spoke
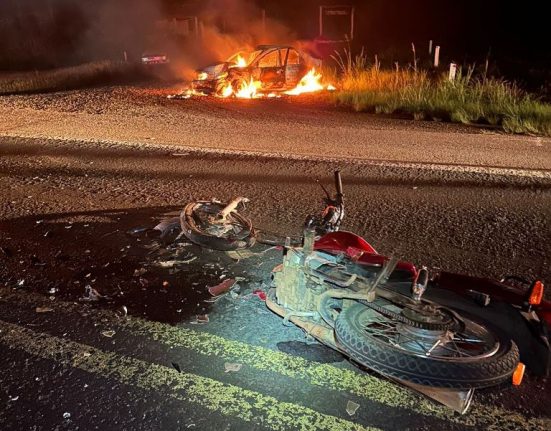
472, 342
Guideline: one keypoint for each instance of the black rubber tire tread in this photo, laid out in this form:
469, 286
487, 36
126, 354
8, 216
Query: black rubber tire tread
245, 239
394, 362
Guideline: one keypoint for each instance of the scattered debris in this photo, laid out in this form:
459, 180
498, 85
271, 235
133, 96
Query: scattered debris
260, 294
14, 398
86, 354
232, 367
239, 254
122, 311
137, 231
43, 309
166, 283
201, 319
168, 225
352, 407
91, 294
223, 287
20, 283
108, 334
213, 299
66, 415
172, 263
139, 272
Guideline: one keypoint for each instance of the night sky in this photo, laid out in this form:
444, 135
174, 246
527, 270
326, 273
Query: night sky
513, 33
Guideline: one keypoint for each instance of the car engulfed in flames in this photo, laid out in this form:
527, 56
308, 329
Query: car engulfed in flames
270, 70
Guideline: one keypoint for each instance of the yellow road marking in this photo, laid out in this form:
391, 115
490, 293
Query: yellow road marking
324, 375
226, 399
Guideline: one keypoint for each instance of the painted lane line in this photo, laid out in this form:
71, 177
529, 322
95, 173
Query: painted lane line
211, 394
323, 375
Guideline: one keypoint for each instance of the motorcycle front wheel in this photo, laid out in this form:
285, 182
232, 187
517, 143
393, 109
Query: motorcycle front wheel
470, 356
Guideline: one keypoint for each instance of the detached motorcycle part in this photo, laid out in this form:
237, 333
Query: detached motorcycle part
473, 357
217, 226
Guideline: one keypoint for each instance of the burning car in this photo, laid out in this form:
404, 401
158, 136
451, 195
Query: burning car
269, 68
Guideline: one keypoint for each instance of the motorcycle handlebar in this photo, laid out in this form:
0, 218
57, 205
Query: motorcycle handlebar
338, 184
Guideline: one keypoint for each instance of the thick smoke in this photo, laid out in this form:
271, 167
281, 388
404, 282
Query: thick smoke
227, 27
51, 33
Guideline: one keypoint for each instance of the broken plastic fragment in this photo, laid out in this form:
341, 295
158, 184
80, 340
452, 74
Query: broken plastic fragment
202, 318
172, 263
260, 294
66, 415
108, 334
352, 407
223, 287
232, 367
167, 225
91, 294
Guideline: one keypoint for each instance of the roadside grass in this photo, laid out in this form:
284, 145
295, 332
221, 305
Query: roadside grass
84, 75
468, 99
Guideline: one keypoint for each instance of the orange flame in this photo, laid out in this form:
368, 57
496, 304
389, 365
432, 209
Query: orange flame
308, 84
249, 90
241, 62
227, 91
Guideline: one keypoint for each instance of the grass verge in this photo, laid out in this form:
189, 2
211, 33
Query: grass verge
467, 99
84, 75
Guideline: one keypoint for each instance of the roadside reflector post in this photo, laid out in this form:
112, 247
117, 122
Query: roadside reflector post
430, 47
437, 56
518, 374
453, 72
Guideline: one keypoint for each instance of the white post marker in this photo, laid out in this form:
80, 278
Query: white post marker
430, 47
453, 71
437, 56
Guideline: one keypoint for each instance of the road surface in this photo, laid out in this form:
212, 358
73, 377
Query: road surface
78, 171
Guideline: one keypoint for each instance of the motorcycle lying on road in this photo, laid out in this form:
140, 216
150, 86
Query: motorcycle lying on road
372, 308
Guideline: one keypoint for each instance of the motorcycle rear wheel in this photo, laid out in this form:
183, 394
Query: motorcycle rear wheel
397, 350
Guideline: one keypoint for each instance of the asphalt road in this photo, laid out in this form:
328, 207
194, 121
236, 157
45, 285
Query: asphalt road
78, 171
307, 126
